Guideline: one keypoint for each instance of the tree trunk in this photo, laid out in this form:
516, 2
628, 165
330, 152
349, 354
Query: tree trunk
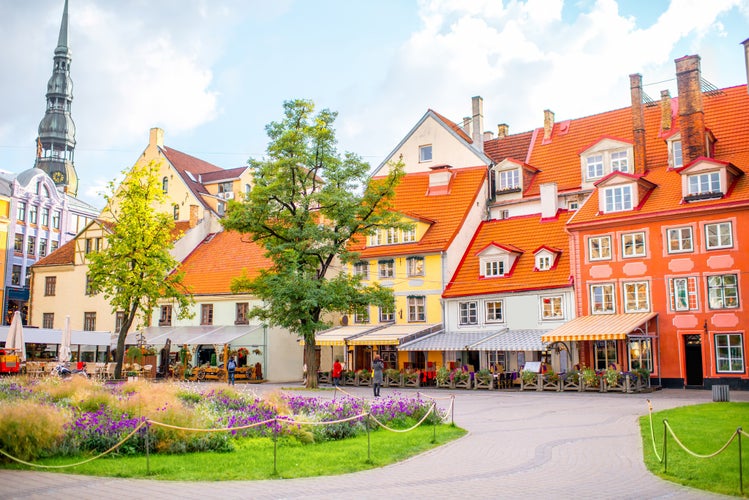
311, 361
126, 324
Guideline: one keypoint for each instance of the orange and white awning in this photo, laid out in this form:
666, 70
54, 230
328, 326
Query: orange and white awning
599, 327
395, 334
339, 336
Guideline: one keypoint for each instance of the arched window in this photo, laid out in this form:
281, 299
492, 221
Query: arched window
176, 212
165, 185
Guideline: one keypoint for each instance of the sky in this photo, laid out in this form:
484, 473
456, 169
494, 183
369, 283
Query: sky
214, 73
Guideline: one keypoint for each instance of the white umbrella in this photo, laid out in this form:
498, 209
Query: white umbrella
65, 342
15, 337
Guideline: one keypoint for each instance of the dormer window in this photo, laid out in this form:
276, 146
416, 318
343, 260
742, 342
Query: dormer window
606, 156
509, 180
617, 198
497, 260
595, 166
543, 262
707, 179
619, 161
545, 258
494, 268
677, 161
704, 184
425, 153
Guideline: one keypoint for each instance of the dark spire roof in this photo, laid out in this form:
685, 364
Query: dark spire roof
62, 40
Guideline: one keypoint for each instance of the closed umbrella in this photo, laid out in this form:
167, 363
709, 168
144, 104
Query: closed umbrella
15, 337
65, 342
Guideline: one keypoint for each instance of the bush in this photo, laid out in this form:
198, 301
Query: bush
31, 430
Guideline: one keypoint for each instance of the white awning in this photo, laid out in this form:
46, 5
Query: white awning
512, 340
446, 341
53, 336
191, 335
394, 334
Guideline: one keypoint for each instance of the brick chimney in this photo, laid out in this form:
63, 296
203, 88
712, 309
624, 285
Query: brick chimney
746, 61
548, 124
665, 110
477, 123
156, 137
691, 114
193, 216
503, 130
638, 122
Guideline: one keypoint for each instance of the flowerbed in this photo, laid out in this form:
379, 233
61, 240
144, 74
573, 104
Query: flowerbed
46, 418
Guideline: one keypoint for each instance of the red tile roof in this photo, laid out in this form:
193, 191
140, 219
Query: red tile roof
526, 233
195, 166
223, 175
448, 211
512, 146
61, 257
454, 126
212, 266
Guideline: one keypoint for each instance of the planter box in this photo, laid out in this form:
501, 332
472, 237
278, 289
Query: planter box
447, 384
570, 384
348, 378
463, 384
483, 383
323, 378
411, 381
536, 384
551, 385
593, 385
388, 381
363, 379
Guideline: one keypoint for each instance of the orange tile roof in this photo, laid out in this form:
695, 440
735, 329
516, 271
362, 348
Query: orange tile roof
527, 233
210, 268
448, 211
512, 146
725, 115
60, 257
454, 126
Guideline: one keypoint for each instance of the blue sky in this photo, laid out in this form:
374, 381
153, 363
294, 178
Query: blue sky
213, 73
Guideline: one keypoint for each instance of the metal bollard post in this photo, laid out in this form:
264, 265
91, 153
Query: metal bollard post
741, 469
369, 443
452, 409
434, 426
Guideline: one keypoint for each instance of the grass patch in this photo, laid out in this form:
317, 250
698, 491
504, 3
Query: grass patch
703, 429
253, 458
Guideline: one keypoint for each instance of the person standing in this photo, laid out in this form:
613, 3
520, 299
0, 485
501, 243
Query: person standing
336, 374
231, 367
377, 367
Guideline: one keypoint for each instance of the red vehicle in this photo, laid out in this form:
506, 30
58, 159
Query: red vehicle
10, 362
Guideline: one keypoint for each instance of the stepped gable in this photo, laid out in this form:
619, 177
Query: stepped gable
526, 233
212, 266
446, 212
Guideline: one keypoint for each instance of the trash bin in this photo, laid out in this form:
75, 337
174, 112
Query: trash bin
721, 393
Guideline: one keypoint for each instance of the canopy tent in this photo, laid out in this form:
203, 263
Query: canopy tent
394, 334
191, 335
340, 335
496, 340
52, 336
599, 327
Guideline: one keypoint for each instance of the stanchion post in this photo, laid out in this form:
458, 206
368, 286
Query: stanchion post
452, 409
369, 444
741, 469
665, 446
434, 426
148, 456
275, 446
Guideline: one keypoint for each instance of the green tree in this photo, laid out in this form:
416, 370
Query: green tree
135, 269
307, 205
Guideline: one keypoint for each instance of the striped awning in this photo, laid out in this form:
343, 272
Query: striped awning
394, 334
512, 340
339, 335
599, 327
446, 341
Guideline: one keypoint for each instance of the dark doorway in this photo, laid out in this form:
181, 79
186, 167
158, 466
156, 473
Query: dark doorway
693, 360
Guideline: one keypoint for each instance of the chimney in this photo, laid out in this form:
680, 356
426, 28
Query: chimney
665, 110
638, 121
548, 124
467, 125
549, 200
488, 135
503, 130
691, 114
193, 216
477, 125
156, 137
746, 61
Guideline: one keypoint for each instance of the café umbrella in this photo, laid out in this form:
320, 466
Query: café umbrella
64, 354
15, 337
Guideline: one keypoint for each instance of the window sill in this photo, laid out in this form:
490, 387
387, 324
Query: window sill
703, 196
509, 190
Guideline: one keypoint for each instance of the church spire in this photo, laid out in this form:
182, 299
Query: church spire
56, 140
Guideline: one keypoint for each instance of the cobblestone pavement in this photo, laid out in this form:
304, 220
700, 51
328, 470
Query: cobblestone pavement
555, 445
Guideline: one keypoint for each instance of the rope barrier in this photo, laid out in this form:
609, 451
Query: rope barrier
697, 455
325, 422
451, 396
403, 430
221, 429
652, 432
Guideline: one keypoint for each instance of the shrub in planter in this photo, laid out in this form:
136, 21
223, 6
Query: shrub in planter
392, 377
590, 377
483, 379
442, 377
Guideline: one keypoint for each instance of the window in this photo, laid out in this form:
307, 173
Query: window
33, 210
386, 314
619, 162
605, 354
494, 311
425, 153
242, 313
573, 205
509, 180
48, 320
683, 293
206, 314
53, 246
729, 353
45, 217
551, 307
56, 220
361, 269
361, 316
680, 240
704, 183
15, 275
416, 309
640, 354
175, 212
494, 268
415, 266
468, 313
31, 245
42, 247
21, 214
392, 236
92, 245
119, 320
409, 235
599, 248
718, 235
543, 262
165, 317
50, 286
386, 268
18, 243
636, 297
89, 321
617, 199
723, 291
595, 166
165, 185
633, 245
678, 161
89, 286
602, 298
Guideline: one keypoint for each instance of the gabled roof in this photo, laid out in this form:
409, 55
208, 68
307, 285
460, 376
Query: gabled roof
223, 175
191, 170
526, 233
512, 146
63, 256
447, 211
212, 266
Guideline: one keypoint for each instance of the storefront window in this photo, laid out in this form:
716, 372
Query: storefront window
640, 354
605, 354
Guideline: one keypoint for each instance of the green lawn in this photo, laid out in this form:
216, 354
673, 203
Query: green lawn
703, 429
253, 458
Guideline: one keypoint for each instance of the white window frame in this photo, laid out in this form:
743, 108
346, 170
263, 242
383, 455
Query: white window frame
412, 266
704, 183
677, 157
722, 229
544, 262
620, 161
361, 317
618, 198
607, 291
494, 267
601, 248
729, 352
508, 179
594, 166
630, 241
387, 314
721, 295
676, 234
425, 153
636, 296
468, 313
494, 313
393, 236
361, 268
683, 293
552, 307
409, 235
417, 309
386, 269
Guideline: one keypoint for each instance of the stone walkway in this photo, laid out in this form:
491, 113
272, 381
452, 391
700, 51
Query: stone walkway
551, 445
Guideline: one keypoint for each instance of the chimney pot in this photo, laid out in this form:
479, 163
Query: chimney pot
488, 135
745, 43
503, 130
477, 127
548, 124
638, 122
691, 113
665, 110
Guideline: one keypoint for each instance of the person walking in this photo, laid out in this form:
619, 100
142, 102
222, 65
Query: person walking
231, 367
336, 374
377, 367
